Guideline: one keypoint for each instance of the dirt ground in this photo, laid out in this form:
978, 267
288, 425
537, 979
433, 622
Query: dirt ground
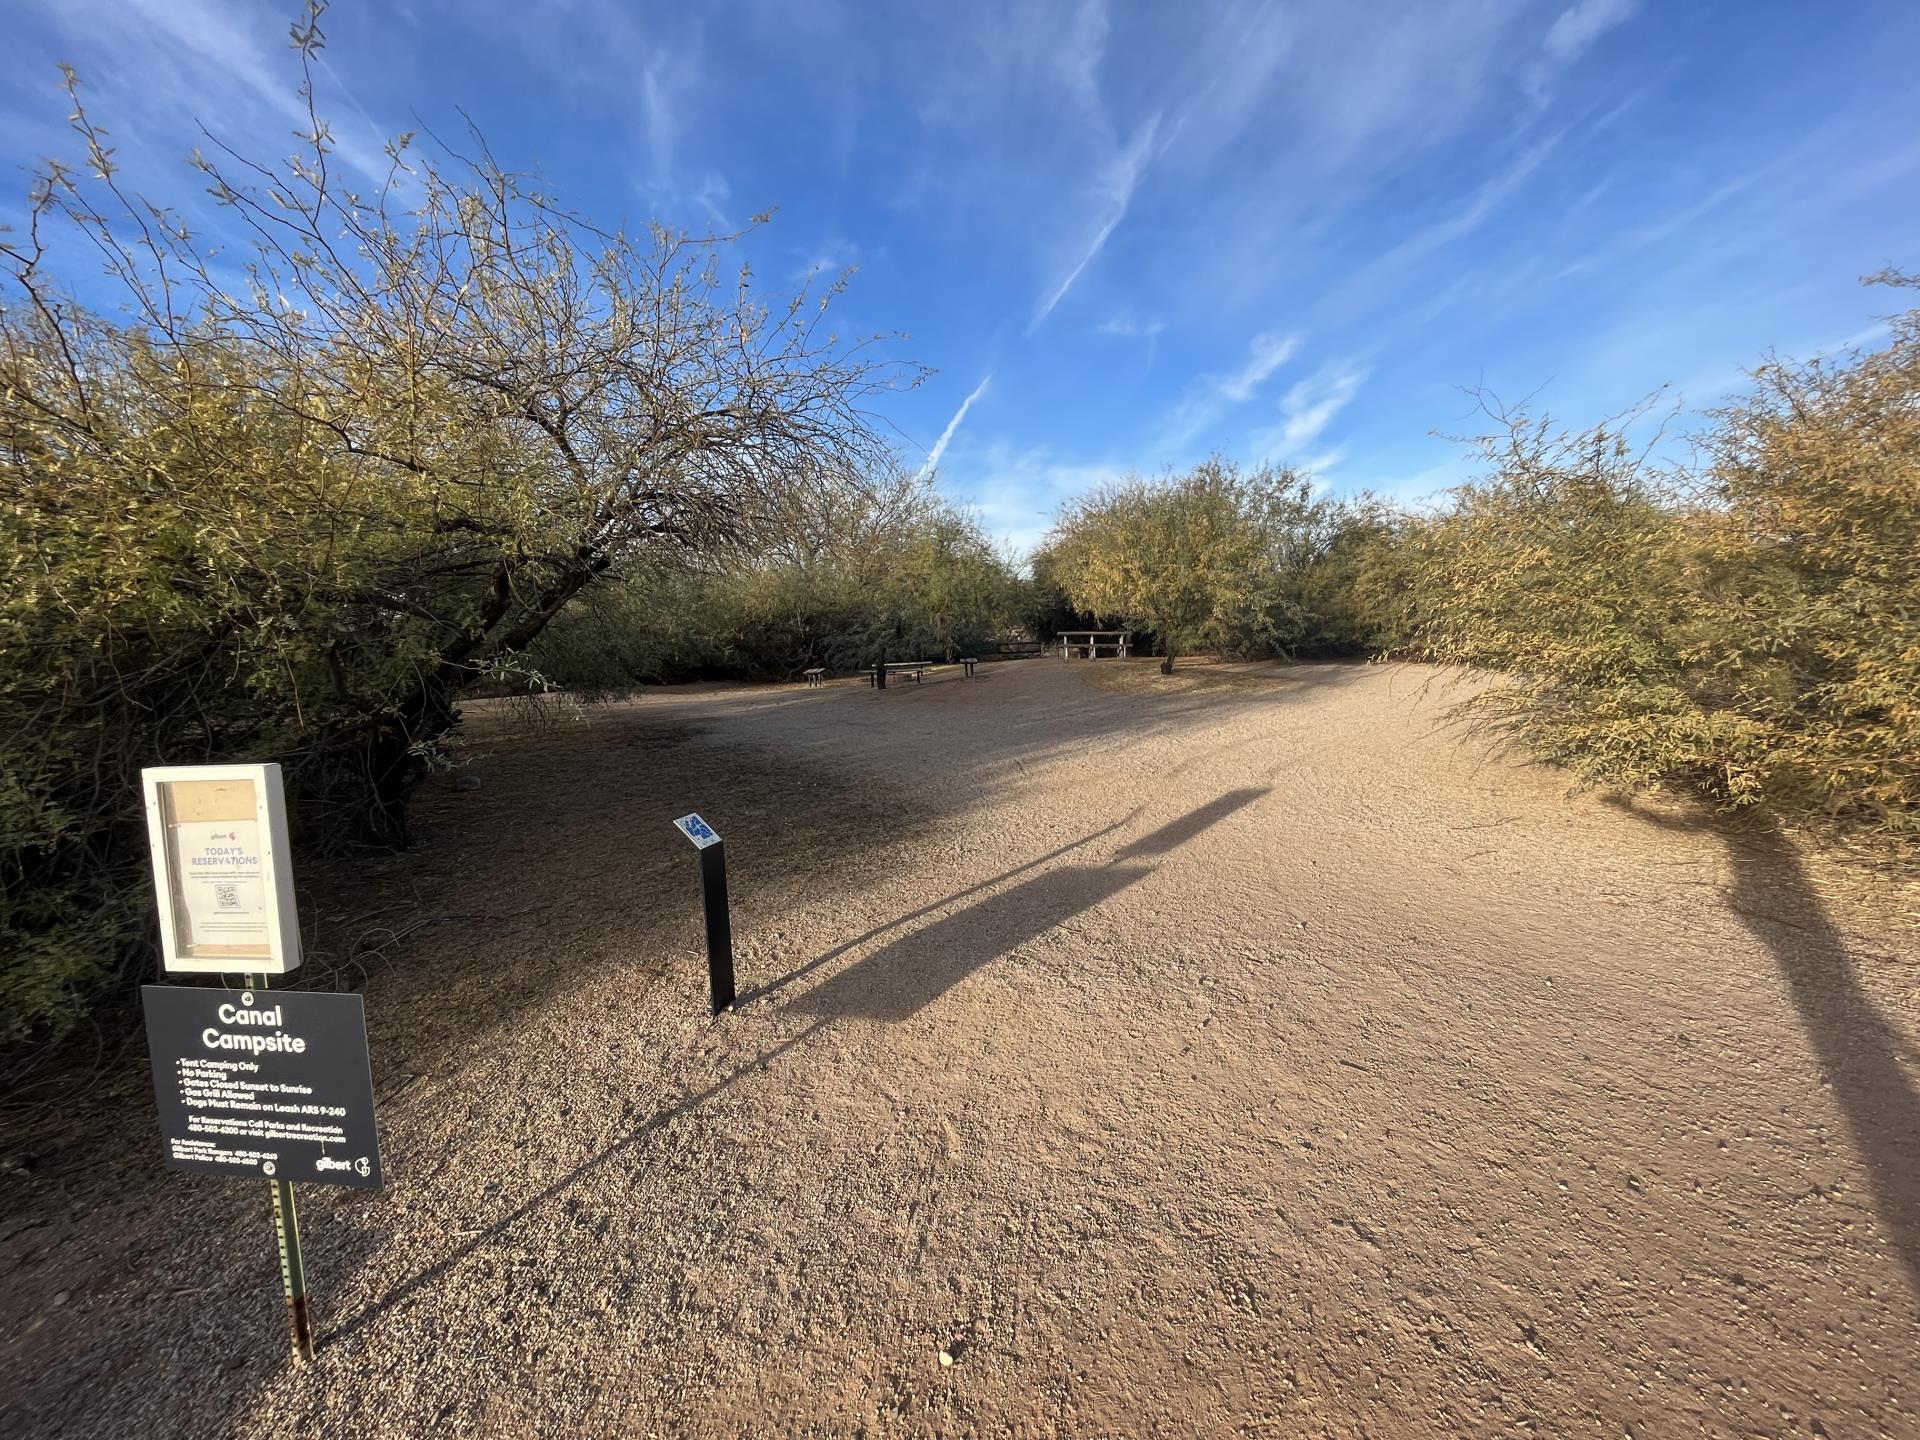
1252, 1053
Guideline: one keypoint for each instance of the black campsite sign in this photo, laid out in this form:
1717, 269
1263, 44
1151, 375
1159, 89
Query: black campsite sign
269, 1083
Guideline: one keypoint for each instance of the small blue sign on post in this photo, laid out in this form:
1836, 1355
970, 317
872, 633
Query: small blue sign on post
697, 830
713, 891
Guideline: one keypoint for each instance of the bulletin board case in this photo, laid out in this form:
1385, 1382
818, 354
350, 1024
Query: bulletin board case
222, 869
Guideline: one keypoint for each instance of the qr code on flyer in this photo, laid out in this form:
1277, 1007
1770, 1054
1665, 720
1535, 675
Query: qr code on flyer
227, 897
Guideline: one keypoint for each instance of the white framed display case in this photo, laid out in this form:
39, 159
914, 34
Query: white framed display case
222, 869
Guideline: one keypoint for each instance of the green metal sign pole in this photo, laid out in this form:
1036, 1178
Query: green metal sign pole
293, 1270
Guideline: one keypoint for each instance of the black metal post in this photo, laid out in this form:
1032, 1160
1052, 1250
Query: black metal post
713, 889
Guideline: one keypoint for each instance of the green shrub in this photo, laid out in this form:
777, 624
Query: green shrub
292, 507
880, 570
1747, 630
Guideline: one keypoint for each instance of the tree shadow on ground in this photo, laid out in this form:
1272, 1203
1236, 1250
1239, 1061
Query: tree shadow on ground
1860, 1053
900, 979
1176, 833
1866, 1060
894, 924
891, 984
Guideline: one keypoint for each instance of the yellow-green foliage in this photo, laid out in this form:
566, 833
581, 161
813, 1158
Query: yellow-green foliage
289, 507
165, 552
859, 572
1188, 557
1810, 577
1223, 559
1748, 629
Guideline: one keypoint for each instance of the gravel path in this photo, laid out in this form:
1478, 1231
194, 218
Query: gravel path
1246, 1053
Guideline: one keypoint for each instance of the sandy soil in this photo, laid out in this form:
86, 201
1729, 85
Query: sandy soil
1249, 1054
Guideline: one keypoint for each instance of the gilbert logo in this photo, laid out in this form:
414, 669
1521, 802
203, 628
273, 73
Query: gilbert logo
327, 1162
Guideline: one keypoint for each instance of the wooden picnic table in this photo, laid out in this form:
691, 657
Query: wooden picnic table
1088, 644
915, 668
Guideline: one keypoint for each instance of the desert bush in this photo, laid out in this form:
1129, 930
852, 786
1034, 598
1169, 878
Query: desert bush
1809, 578
1221, 558
1186, 556
883, 568
292, 501
1043, 608
1334, 559
1745, 628
1567, 568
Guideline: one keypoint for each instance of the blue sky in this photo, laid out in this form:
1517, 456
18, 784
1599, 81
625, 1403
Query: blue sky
1125, 235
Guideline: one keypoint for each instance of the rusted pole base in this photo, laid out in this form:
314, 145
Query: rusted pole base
293, 1265
286, 1225
300, 1323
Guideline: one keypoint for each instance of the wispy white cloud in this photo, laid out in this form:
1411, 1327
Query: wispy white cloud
1582, 23
1265, 354
1487, 199
827, 264
1311, 405
713, 190
1367, 284
1717, 382
670, 84
1213, 395
1078, 60
1572, 34
953, 425
662, 128
1229, 78
1127, 326
1130, 325
1115, 195
1687, 219
1370, 93
665, 101
1869, 338
1017, 491
1086, 259
198, 56
1424, 489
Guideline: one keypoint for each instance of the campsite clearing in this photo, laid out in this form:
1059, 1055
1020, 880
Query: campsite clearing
1250, 1051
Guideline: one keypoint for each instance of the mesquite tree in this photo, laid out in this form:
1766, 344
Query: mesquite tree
338, 456
1192, 557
